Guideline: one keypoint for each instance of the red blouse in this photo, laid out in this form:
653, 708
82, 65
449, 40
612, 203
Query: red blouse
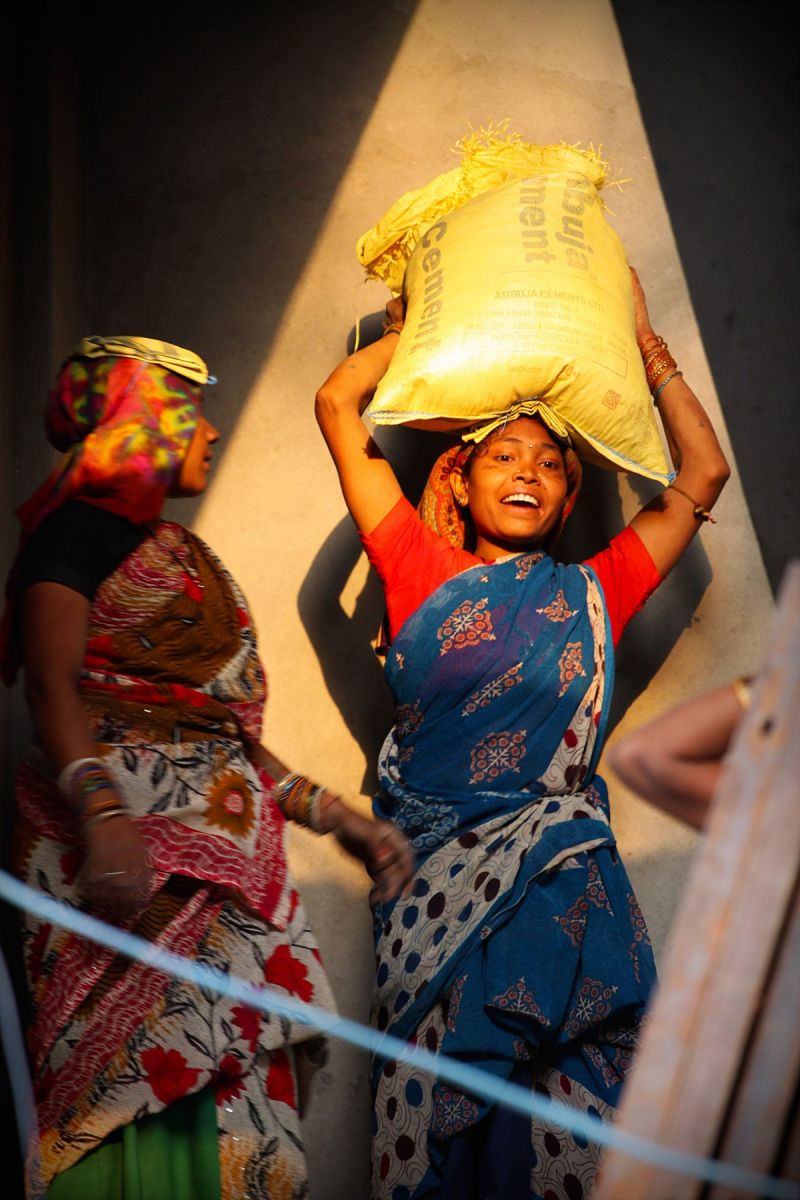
412, 562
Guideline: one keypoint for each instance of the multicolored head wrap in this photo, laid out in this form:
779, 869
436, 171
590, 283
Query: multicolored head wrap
438, 507
125, 426
124, 417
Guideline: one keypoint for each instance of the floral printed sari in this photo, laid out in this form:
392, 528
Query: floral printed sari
174, 691
521, 947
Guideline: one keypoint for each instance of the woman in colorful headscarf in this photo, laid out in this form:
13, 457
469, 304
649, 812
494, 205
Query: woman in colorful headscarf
150, 799
520, 946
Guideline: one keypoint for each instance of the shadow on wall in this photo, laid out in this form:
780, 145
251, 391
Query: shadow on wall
210, 154
207, 150
342, 642
352, 670
722, 135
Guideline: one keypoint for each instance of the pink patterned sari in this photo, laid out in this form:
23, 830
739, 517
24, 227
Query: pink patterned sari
174, 691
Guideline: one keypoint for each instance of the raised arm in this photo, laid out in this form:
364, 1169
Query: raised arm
369, 484
116, 874
669, 522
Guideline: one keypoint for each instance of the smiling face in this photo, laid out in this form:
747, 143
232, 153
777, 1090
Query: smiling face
515, 487
193, 477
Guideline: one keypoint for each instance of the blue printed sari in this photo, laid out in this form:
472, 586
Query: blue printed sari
521, 947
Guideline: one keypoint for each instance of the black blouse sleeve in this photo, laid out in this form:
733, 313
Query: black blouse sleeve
78, 545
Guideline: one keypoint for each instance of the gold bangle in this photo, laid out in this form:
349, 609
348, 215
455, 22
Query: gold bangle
660, 369
394, 327
653, 352
119, 811
700, 513
658, 364
93, 809
652, 338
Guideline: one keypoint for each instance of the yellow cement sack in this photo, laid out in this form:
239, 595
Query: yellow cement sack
489, 158
521, 291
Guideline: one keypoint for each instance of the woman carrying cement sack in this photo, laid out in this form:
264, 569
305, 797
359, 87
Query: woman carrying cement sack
520, 946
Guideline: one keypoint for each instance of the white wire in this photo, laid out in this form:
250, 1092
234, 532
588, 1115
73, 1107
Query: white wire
468, 1078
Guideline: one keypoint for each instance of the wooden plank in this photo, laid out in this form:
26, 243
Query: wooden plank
764, 1094
788, 1166
725, 936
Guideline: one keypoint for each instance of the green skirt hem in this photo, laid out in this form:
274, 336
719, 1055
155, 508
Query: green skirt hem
171, 1155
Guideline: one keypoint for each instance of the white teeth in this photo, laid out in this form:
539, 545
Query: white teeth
521, 497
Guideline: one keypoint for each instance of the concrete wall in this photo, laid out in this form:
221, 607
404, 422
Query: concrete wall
719, 124
218, 176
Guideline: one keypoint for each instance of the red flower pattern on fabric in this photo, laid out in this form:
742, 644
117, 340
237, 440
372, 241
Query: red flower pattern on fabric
229, 1079
248, 1022
168, 1074
284, 970
280, 1079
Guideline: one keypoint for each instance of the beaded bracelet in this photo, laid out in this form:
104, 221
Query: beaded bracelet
662, 385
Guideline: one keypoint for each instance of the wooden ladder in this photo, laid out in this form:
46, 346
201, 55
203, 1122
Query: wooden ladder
718, 1068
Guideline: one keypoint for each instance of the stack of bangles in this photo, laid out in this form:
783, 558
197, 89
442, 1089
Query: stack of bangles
659, 365
83, 782
299, 799
660, 368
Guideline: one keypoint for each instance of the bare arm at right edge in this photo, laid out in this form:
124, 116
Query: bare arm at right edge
676, 760
368, 482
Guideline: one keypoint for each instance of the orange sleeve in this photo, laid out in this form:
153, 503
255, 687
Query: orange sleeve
627, 575
411, 561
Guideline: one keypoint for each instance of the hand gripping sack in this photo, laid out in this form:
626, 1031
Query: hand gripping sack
523, 291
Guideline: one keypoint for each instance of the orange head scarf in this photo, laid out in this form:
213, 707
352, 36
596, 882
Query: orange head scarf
440, 512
